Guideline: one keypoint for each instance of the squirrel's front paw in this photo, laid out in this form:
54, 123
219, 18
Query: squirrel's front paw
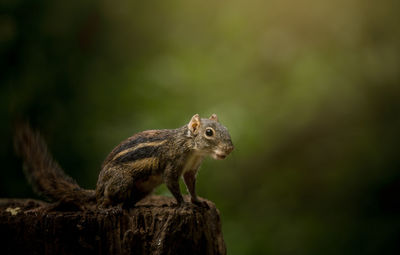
199, 203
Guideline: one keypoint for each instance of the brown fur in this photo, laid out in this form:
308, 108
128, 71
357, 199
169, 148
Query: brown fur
133, 168
44, 173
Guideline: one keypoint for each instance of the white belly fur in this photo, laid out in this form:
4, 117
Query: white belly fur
193, 162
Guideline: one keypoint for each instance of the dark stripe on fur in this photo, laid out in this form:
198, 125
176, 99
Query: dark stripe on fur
137, 140
140, 153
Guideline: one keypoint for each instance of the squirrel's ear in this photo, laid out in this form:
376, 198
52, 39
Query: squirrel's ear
214, 117
194, 124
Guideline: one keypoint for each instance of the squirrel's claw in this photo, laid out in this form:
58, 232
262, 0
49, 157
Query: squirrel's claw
200, 203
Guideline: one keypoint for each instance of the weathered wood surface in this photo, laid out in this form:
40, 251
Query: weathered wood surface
153, 226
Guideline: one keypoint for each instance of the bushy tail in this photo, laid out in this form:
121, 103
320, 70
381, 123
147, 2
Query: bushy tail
44, 173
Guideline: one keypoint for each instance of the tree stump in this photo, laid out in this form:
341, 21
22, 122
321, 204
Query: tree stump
154, 226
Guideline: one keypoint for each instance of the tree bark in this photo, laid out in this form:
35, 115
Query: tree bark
154, 226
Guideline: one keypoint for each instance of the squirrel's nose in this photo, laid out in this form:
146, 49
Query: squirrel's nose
229, 147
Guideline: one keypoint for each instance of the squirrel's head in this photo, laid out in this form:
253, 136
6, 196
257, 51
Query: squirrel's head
210, 137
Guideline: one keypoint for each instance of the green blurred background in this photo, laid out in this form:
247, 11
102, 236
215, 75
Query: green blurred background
308, 89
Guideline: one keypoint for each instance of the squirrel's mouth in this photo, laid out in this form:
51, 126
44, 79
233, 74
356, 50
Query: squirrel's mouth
222, 153
219, 155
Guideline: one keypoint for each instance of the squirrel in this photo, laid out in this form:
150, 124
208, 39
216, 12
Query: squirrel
133, 169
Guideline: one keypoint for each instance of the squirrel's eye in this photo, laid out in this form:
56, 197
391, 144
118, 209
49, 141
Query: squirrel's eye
209, 132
